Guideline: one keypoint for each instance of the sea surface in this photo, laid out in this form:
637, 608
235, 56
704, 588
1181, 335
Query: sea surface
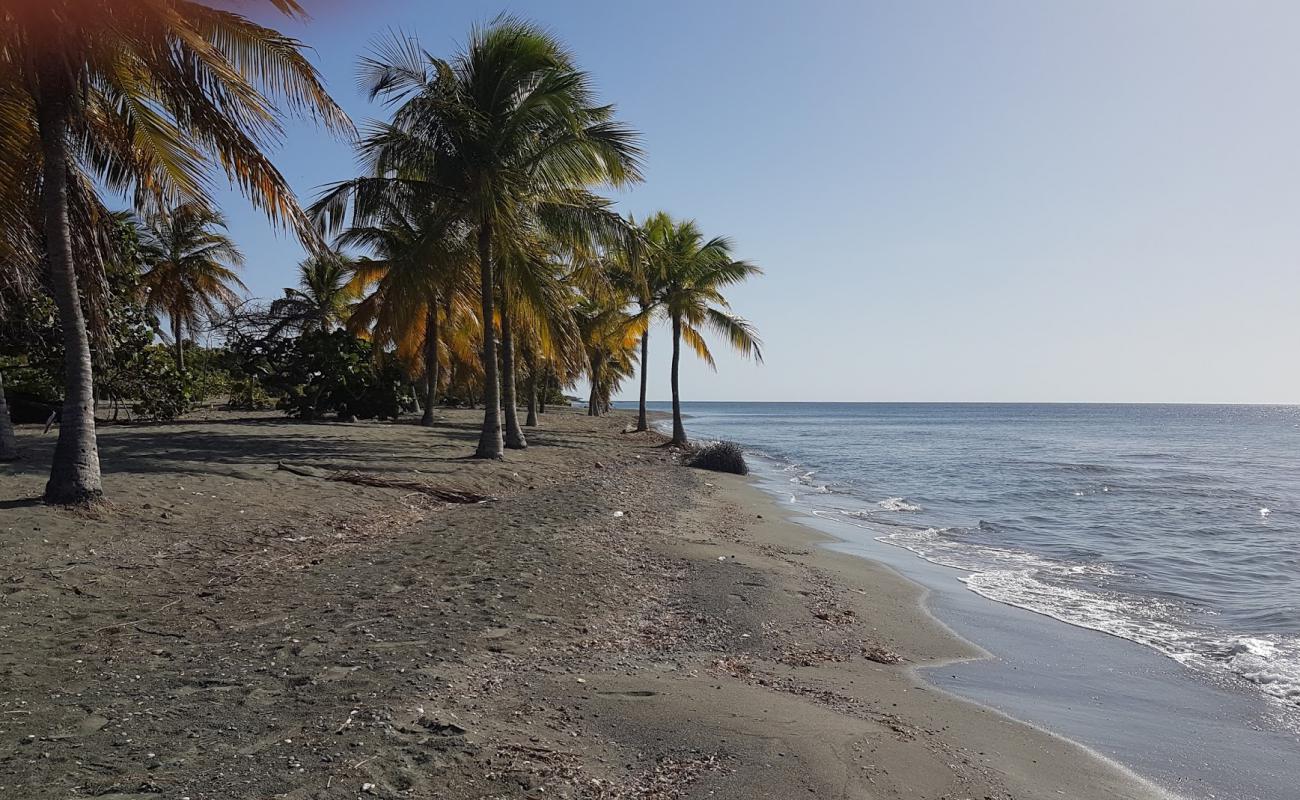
1176, 527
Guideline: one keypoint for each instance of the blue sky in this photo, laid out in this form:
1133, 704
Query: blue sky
993, 201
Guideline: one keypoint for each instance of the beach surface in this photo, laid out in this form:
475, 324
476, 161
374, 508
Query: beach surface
276, 609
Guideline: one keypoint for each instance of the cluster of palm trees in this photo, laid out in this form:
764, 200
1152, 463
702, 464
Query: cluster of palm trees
486, 249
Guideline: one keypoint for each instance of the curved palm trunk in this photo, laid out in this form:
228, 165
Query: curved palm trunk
490, 444
514, 435
430, 365
546, 389
641, 424
74, 474
531, 422
679, 431
8, 441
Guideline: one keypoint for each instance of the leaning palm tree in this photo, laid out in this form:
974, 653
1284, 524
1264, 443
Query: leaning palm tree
323, 298
190, 268
145, 98
694, 272
508, 136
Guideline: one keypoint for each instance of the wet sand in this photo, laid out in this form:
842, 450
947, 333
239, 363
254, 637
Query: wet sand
611, 624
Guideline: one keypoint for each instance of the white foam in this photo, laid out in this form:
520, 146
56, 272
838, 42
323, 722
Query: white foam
1050, 588
897, 504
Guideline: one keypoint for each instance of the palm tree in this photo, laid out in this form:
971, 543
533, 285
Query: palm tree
324, 295
639, 274
191, 268
609, 339
144, 98
508, 136
694, 272
419, 278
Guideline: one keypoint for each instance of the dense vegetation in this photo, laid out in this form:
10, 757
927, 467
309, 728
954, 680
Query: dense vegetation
473, 261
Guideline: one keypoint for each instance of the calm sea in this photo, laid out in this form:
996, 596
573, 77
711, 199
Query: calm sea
1177, 527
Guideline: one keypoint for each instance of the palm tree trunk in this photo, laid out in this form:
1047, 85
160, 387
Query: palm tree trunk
514, 434
490, 444
531, 422
679, 431
177, 338
546, 389
641, 424
430, 364
593, 397
74, 473
8, 441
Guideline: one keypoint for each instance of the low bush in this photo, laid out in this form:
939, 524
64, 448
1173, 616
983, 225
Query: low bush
720, 457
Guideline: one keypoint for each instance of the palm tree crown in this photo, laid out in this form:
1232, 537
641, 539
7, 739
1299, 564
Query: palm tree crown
324, 297
191, 268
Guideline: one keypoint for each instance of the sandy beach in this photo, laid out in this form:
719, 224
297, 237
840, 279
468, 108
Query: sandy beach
607, 624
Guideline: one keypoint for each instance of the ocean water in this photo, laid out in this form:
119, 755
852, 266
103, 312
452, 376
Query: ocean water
1176, 527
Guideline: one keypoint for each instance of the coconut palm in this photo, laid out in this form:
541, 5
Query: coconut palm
419, 278
509, 136
190, 268
145, 98
694, 273
636, 272
324, 295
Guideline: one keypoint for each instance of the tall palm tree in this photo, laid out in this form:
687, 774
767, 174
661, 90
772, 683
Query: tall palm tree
324, 295
509, 136
639, 274
147, 98
694, 273
191, 264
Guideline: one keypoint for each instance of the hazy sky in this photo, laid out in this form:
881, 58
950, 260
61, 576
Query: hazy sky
1019, 201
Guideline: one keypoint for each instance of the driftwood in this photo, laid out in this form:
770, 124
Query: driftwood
364, 479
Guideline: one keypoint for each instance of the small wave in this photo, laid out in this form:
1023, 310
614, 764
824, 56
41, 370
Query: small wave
897, 504
1072, 593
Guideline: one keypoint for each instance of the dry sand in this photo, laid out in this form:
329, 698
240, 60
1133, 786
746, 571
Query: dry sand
611, 625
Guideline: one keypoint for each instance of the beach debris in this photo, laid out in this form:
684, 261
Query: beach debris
880, 655
368, 788
366, 479
720, 457
618, 513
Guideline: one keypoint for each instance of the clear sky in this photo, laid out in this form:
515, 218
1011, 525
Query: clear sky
1002, 201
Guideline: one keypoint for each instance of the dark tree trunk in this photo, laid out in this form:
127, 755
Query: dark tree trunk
74, 474
679, 431
593, 397
531, 422
8, 441
641, 423
490, 444
178, 340
430, 365
546, 389
514, 435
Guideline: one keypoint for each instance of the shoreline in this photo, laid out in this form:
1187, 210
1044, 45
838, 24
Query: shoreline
1018, 758
611, 625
